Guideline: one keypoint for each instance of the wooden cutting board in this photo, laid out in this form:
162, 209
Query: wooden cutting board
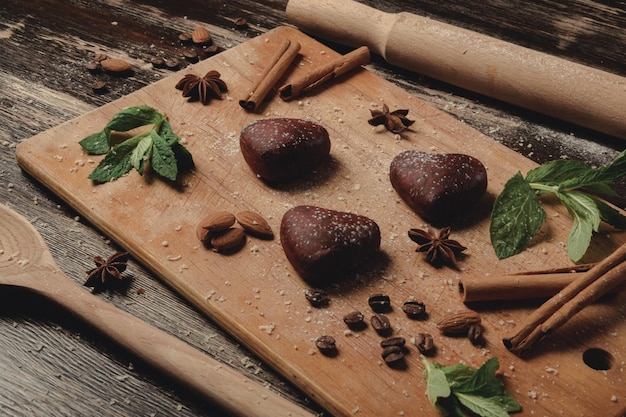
255, 295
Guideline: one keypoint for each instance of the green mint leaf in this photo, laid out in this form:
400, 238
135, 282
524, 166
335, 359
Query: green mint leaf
163, 159
167, 133
466, 388
507, 402
133, 117
160, 146
96, 144
516, 217
600, 188
458, 374
586, 216
183, 157
484, 407
606, 174
610, 215
140, 155
116, 163
483, 380
557, 171
436, 382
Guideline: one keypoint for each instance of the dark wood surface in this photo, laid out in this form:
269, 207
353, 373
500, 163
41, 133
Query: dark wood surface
53, 365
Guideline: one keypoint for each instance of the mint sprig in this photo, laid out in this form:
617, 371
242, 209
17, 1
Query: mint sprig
159, 148
517, 213
455, 389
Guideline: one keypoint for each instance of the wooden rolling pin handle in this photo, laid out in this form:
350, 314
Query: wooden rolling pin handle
534, 80
230, 390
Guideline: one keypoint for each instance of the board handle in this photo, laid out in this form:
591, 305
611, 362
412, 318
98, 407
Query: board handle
527, 78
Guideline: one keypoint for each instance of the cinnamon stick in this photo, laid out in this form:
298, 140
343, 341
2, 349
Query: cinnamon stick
272, 74
519, 286
513, 287
590, 286
325, 73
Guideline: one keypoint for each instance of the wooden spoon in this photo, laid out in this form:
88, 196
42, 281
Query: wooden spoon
26, 262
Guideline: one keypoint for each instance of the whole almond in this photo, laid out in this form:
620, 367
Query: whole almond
458, 322
115, 65
255, 224
200, 36
214, 223
228, 240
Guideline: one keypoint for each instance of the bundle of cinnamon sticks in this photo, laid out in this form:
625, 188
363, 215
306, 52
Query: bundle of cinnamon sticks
586, 289
282, 60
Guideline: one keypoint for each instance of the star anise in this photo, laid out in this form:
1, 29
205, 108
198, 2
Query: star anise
438, 248
106, 270
395, 121
202, 88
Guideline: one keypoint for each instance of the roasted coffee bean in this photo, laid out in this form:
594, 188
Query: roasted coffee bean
380, 303
414, 309
381, 324
424, 343
185, 38
210, 50
326, 344
99, 87
240, 23
354, 320
93, 66
393, 341
317, 298
158, 62
392, 354
475, 333
190, 55
172, 64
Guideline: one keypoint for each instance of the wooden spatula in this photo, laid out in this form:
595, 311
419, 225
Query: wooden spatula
26, 262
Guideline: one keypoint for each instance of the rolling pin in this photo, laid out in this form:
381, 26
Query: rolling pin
530, 79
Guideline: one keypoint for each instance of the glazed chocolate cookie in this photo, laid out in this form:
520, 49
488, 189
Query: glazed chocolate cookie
321, 244
438, 187
283, 149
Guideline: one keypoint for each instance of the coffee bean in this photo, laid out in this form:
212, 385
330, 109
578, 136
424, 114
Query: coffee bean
240, 23
190, 55
317, 298
414, 309
380, 323
185, 38
93, 66
172, 63
326, 344
380, 303
424, 343
392, 354
393, 341
99, 87
475, 333
210, 50
158, 62
354, 320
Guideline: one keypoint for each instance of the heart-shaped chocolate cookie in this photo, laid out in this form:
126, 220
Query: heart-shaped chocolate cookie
321, 244
283, 149
438, 186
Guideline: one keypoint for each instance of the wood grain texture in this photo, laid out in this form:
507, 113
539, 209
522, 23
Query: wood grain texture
255, 294
56, 365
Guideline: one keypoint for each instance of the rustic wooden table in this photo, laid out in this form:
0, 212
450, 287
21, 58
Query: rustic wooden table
52, 364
